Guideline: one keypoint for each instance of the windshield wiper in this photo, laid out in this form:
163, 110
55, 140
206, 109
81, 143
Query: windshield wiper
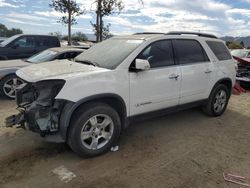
87, 62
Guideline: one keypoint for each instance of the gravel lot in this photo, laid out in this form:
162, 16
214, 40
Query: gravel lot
185, 149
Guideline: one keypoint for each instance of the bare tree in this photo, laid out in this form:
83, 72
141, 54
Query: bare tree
105, 8
71, 10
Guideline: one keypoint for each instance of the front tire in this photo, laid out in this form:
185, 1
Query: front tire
94, 129
8, 86
218, 101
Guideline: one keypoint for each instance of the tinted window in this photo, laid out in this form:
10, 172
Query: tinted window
47, 41
25, 42
68, 55
189, 51
220, 50
158, 54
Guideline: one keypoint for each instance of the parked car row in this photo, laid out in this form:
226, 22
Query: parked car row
8, 79
88, 103
23, 46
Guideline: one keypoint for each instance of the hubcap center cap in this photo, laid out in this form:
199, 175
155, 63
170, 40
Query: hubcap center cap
96, 131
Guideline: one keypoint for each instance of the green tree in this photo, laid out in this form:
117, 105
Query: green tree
71, 10
79, 36
57, 34
5, 32
233, 45
105, 8
242, 44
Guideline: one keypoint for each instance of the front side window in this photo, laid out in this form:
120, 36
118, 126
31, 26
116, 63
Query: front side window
159, 54
189, 51
25, 42
219, 49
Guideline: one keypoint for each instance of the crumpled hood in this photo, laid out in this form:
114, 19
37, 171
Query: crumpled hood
59, 69
13, 63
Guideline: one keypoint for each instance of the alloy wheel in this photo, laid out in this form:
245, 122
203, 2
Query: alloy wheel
97, 131
10, 86
220, 101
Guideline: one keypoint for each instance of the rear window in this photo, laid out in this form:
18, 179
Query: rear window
220, 50
189, 51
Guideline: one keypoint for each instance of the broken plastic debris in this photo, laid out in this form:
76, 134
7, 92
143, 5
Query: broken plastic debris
114, 148
236, 179
64, 174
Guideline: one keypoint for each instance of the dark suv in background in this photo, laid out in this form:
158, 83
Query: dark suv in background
24, 46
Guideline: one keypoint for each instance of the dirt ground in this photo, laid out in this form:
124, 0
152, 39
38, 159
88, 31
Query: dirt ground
185, 149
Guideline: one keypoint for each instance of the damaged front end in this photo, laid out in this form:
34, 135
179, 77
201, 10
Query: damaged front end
39, 110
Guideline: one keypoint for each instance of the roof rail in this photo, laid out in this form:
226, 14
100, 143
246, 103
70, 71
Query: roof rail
147, 33
191, 33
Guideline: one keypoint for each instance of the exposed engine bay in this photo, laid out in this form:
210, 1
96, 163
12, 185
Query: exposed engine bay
39, 110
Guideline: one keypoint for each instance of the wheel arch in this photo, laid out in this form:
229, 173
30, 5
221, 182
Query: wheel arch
113, 100
225, 81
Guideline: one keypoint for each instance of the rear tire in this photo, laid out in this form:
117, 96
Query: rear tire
94, 129
218, 101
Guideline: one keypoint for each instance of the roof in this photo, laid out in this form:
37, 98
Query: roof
36, 35
138, 36
148, 35
66, 49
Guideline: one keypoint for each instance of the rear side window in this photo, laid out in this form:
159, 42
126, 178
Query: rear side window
189, 51
47, 42
219, 49
159, 54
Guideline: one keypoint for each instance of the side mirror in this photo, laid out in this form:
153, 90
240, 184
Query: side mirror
142, 64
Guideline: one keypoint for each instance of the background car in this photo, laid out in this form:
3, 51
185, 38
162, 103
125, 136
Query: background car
241, 53
24, 46
8, 79
2, 39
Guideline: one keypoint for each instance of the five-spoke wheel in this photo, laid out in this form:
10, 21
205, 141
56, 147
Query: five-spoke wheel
9, 85
94, 129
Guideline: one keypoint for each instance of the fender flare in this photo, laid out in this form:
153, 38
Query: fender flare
70, 107
226, 79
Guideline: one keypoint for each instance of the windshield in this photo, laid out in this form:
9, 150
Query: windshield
240, 53
109, 53
8, 40
46, 55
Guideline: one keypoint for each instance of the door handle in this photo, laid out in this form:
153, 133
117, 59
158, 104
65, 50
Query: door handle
208, 71
173, 76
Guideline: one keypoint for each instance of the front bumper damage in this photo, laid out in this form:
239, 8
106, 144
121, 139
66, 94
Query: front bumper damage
39, 111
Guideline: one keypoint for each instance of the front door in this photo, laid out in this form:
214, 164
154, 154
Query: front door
22, 47
158, 87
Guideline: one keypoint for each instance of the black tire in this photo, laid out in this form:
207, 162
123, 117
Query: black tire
209, 108
6, 79
81, 117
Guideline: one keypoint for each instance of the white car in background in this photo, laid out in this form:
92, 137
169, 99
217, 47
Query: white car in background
89, 102
8, 79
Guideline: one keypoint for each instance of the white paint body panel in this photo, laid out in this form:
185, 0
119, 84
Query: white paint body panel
143, 91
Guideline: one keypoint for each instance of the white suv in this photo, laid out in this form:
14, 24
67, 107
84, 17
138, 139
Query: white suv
87, 103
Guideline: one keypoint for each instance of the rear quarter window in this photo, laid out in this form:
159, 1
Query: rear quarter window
189, 51
48, 41
220, 50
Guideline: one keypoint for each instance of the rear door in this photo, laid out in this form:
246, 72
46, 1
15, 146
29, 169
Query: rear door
158, 87
196, 70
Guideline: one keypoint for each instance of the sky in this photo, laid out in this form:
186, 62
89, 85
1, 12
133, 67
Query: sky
221, 17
